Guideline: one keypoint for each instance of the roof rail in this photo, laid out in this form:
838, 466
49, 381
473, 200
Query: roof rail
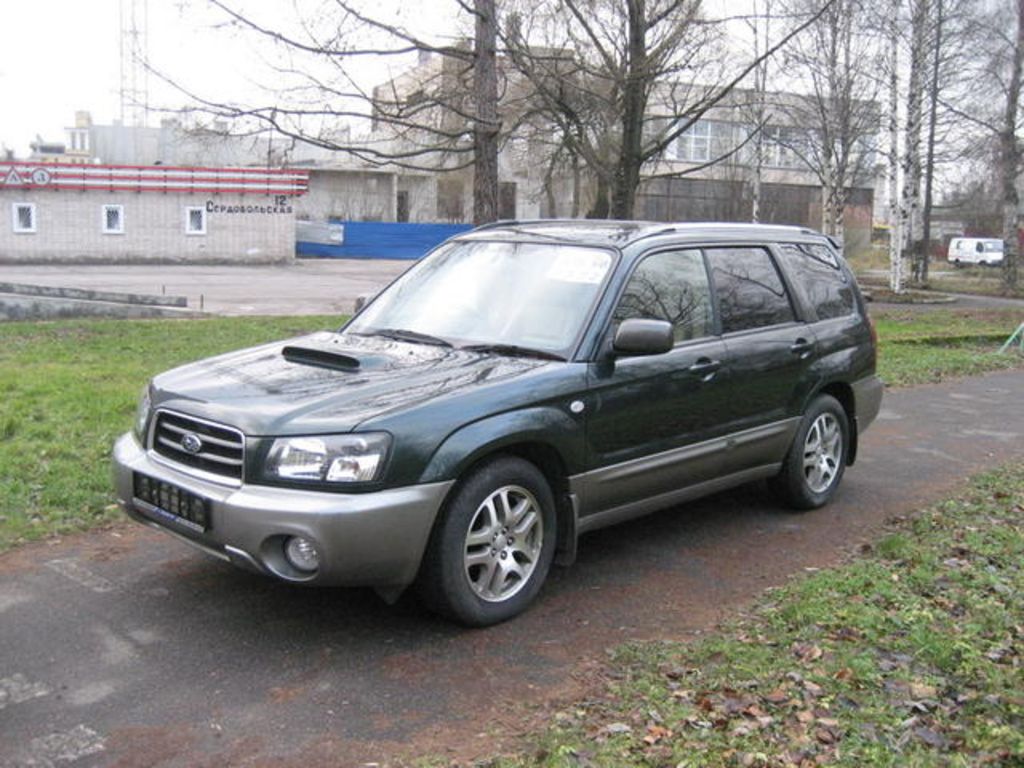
499, 223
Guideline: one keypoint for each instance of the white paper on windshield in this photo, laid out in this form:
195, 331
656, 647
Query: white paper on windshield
579, 266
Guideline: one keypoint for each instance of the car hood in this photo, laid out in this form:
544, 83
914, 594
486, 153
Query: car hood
327, 382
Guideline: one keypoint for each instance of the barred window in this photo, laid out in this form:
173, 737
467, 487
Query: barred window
113, 219
195, 221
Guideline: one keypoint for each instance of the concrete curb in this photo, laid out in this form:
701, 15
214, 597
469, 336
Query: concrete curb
83, 294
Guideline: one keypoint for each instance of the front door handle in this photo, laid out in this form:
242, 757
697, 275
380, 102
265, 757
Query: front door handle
705, 368
802, 347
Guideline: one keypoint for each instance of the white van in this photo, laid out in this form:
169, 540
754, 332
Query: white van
975, 250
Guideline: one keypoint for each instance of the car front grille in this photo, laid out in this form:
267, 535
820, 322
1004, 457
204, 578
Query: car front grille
202, 445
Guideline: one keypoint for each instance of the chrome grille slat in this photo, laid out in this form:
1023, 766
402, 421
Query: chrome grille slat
202, 454
206, 438
222, 452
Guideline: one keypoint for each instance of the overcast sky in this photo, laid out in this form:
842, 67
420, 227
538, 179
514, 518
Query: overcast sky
65, 56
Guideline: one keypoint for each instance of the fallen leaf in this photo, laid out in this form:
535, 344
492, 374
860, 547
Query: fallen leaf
656, 733
807, 652
825, 736
931, 738
778, 696
922, 691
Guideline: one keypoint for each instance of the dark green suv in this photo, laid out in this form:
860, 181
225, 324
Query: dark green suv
523, 384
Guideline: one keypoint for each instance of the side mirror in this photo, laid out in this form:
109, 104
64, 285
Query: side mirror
639, 336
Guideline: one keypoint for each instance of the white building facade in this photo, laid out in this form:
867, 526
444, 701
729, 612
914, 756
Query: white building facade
67, 212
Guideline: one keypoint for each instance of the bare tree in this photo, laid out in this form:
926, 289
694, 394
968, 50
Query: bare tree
446, 121
990, 102
934, 87
1010, 152
757, 111
893, 155
622, 81
486, 127
910, 201
837, 57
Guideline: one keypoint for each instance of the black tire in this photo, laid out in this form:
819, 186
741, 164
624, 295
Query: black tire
816, 460
475, 570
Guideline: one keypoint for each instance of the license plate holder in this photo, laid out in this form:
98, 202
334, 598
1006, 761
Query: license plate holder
168, 502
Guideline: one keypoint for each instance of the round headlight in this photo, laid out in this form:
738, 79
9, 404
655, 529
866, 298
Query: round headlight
302, 554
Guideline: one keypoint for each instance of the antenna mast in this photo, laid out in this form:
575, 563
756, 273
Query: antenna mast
134, 61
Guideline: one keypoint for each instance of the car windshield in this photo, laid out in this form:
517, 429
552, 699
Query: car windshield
526, 296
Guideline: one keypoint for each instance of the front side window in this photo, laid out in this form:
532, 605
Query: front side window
23, 216
750, 291
819, 276
113, 219
195, 221
671, 286
469, 293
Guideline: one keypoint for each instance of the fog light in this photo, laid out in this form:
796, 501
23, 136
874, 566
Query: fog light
302, 554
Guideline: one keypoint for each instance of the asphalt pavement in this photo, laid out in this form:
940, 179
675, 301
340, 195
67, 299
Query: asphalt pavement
300, 287
124, 647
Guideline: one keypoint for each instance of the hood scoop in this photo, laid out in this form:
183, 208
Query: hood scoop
321, 358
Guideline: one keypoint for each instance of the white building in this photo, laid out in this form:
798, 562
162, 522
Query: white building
53, 212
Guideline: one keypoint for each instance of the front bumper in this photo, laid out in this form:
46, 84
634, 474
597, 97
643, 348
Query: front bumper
365, 539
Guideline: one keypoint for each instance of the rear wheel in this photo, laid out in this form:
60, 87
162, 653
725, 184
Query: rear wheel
817, 458
493, 546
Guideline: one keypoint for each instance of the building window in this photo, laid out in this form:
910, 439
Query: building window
23, 216
694, 144
113, 220
704, 141
195, 221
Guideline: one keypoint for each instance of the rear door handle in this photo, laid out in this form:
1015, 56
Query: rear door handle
802, 347
705, 368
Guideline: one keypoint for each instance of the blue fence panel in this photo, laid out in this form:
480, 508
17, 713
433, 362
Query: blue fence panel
382, 240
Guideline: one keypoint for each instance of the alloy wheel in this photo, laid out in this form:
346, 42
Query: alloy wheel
503, 543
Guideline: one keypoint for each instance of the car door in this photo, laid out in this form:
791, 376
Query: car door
770, 352
650, 412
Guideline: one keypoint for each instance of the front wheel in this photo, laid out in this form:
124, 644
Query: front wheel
817, 458
492, 548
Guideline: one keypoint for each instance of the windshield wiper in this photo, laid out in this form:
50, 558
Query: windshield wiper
513, 350
403, 334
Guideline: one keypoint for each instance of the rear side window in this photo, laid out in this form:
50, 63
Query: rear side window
824, 284
672, 286
750, 291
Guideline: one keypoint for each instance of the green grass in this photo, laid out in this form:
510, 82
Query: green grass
68, 388
910, 655
919, 347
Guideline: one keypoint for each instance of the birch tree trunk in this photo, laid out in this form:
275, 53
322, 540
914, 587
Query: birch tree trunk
895, 212
910, 210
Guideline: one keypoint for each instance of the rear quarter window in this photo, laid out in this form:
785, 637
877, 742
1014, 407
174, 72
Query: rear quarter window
820, 278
